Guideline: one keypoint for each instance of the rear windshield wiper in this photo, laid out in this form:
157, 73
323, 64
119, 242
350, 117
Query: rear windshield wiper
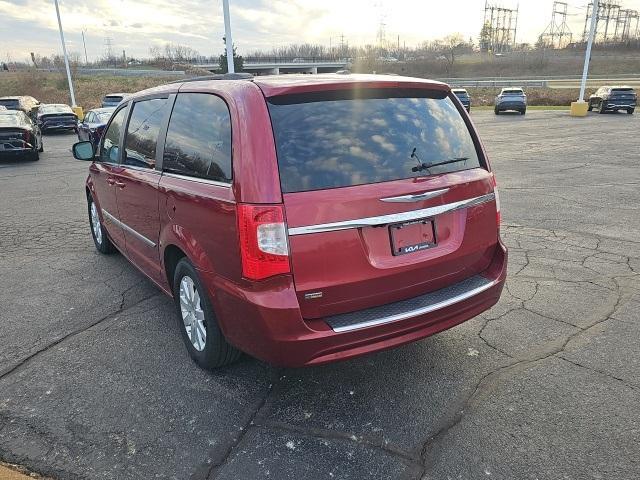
426, 166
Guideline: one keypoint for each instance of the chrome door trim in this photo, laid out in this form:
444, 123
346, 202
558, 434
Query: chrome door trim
415, 197
126, 227
394, 217
197, 179
418, 311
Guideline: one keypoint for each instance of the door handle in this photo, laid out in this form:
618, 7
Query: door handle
111, 181
120, 185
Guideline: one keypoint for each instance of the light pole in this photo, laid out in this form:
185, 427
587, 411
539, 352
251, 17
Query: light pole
86, 58
227, 36
579, 108
66, 58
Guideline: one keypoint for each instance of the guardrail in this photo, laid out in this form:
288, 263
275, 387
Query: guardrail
495, 83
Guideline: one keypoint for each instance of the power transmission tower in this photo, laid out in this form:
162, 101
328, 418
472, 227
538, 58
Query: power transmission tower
499, 28
624, 30
606, 16
108, 45
557, 34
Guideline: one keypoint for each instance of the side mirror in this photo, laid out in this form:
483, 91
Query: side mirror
83, 150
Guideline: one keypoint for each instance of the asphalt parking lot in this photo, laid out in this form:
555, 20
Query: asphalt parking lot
95, 382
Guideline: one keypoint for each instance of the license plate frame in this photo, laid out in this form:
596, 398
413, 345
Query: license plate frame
413, 236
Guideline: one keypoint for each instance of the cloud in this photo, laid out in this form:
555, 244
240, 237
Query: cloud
135, 25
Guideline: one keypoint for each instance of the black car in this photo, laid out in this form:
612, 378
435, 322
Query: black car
25, 103
613, 99
463, 96
56, 116
92, 126
19, 136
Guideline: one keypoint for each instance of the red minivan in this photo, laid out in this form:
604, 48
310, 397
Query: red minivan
302, 219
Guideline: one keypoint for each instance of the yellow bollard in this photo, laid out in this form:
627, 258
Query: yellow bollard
79, 113
579, 109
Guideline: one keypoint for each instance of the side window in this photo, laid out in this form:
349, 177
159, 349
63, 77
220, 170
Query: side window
199, 138
110, 150
142, 132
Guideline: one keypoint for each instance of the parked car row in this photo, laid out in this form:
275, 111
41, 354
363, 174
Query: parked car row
605, 99
24, 121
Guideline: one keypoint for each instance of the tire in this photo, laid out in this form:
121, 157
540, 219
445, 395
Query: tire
630, 111
590, 106
98, 233
496, 111
207, 346
602, 108
41, 149
522, 112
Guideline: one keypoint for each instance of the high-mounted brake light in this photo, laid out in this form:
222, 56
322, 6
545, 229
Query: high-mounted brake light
497, 195
264, 247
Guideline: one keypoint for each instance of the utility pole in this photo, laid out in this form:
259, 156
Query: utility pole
579, 108
227, 36
86, 58
66, 58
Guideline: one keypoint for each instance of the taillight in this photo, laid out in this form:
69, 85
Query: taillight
264, 248
497, 195
26, 136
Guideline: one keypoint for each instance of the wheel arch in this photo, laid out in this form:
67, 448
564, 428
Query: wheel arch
178, 242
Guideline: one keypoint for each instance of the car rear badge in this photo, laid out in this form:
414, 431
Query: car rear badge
312, 295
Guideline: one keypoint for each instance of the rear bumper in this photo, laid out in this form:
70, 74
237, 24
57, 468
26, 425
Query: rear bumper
621, 105
58, 126
265, 321
511, 106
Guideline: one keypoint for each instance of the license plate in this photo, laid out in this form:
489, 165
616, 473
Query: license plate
412, 237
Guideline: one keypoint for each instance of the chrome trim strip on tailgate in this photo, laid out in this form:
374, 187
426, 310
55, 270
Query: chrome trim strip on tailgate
128, 228
394, 217
415, 197
415, 312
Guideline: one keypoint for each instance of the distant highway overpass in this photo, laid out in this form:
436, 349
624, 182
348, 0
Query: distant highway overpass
278, 67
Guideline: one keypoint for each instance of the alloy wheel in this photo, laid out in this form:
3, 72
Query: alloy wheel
192, 313
95, 223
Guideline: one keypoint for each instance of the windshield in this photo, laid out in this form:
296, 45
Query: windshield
103, 116
328, 141
46, 109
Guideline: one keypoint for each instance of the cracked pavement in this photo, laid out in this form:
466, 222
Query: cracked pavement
96, 384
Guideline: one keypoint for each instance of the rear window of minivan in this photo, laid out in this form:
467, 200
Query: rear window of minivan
338, 139
113, 98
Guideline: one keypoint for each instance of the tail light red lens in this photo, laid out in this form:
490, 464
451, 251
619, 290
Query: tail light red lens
26, 136
264, 246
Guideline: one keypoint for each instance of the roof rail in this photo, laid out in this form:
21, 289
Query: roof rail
217, 76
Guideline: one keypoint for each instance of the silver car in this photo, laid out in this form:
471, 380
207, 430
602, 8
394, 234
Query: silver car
511, 98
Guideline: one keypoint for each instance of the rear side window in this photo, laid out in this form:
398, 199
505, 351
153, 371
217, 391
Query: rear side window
199, 138
327, 141
143, 130
110, 151
10, 104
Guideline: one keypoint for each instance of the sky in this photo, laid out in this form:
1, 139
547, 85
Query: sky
135, 26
